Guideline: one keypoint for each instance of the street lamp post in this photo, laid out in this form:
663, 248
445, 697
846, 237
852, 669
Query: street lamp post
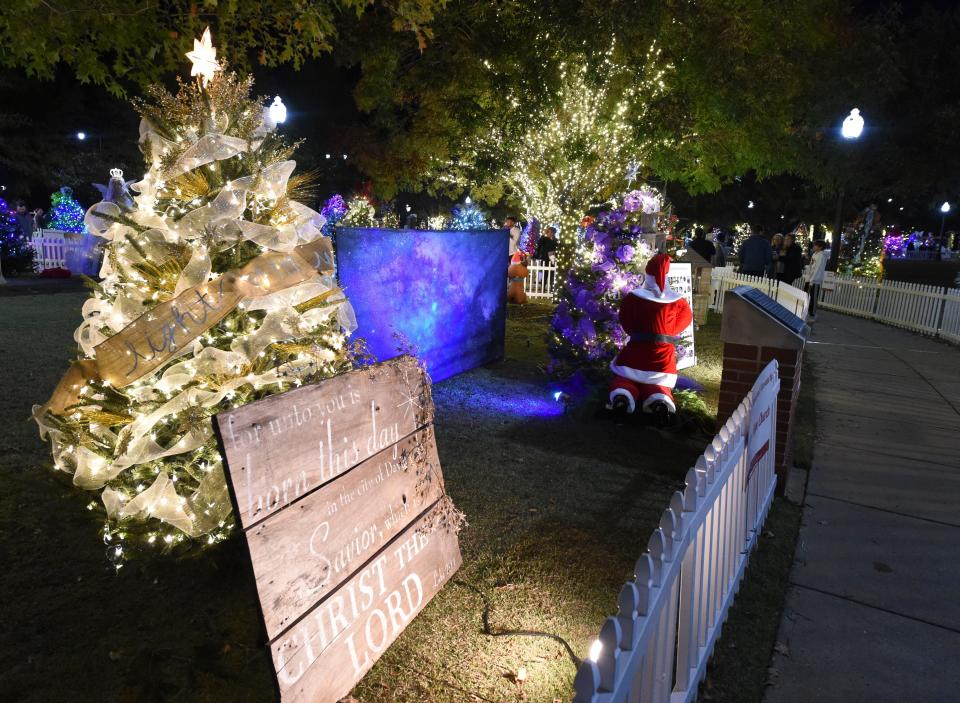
851, 129
944, 209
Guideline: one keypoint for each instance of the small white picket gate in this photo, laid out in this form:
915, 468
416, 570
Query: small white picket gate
917, 307
656, 649
50, 248
541, 281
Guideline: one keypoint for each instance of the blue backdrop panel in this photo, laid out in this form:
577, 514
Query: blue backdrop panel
445, 292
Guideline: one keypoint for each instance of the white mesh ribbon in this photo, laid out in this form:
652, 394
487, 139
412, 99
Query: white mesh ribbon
196, 271
160, 501
150, 137
227, 206
100, 220
271, 182
207, 149
282, 239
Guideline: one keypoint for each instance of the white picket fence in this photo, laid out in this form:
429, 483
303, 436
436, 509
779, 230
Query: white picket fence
80, 253
792, 297
541, 281
50, 247
920, 308
656, 648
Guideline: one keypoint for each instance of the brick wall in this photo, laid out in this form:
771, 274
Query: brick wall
742, 364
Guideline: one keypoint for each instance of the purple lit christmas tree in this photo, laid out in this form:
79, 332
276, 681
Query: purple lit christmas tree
16, 251
611, 253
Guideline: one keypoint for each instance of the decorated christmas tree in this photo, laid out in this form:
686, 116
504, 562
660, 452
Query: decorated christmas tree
217, 291
333, 211
530, 236
390, 220
66, 214
611, 251
468, 216
360, 213
16, 251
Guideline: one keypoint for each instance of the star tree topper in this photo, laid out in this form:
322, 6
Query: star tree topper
633, 168
204, 58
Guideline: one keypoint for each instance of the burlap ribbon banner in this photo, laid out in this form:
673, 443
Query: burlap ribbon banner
166, 330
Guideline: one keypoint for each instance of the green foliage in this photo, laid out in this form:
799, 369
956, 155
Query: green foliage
115, 43
733, 86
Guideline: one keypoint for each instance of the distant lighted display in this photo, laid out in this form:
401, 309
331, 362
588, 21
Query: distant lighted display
442, 291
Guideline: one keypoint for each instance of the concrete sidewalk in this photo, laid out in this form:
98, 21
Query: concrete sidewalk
873, 609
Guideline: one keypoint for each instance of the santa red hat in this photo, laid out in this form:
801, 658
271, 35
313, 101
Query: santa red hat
657, 269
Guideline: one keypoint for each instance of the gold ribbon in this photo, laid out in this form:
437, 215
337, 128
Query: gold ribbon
166, 330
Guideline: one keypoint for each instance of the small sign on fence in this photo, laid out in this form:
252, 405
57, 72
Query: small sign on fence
339, 492
761, 432
680, 279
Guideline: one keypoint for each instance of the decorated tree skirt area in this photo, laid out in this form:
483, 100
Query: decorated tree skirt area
556, 501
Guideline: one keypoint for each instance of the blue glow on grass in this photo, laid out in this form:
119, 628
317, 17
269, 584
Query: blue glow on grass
444, 292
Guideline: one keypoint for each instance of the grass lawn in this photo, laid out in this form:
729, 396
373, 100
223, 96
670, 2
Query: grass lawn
559, 508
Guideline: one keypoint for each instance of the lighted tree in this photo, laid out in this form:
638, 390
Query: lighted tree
469, 215
569, 157
16, 250
360, 213
217, 250
66, 214
611, 251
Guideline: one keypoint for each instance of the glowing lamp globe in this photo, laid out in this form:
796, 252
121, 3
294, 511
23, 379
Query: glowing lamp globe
852, 125
750, 204
278, 111
81, 136
595, 650
945, 208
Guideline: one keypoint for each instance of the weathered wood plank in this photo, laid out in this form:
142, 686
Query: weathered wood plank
303, 553
320, 659
282, 447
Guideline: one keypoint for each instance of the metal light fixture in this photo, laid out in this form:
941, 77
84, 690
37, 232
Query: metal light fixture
278, 111
852, 125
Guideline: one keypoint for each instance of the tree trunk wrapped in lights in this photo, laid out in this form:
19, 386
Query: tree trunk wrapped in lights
217, 291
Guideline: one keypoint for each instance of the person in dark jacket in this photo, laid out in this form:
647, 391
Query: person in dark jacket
792, 260
703, 247
755, 253
546, 245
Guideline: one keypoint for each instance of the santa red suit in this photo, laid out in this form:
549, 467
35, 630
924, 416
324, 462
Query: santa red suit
645, 370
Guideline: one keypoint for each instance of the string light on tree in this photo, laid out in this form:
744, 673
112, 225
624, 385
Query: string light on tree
569, 157
66, 214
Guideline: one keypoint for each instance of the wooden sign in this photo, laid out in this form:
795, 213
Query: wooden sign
680, 279
339, 491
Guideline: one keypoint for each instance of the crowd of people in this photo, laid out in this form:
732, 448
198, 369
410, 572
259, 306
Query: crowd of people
779, 257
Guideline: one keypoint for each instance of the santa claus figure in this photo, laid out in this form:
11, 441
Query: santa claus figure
645, 370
